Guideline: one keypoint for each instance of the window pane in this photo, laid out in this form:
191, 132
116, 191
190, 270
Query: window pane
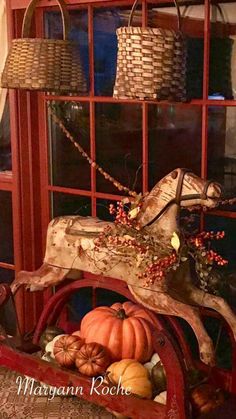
63, 204
222, 148
105, 21
227, 246
69, 168
6, 275
222, 80
78, 33
174, 140
192, 26
103, 209
6, 228
119, 145
5, 141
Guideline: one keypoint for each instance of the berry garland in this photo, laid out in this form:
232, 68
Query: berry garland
132, 243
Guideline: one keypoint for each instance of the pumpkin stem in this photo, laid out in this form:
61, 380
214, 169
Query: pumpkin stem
121, 314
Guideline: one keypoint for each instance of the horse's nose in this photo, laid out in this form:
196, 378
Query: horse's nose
214, 190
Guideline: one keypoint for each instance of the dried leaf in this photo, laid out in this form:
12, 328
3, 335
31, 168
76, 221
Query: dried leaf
175, 242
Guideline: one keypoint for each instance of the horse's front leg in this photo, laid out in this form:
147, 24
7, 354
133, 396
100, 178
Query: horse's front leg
163, 303
196, 296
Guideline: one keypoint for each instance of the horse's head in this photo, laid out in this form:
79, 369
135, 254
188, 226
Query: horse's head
192, 190
182, 188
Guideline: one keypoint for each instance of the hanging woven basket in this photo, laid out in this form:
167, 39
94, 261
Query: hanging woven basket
151, 62
44, 64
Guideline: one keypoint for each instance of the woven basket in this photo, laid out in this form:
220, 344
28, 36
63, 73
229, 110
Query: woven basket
151, 62
44, 64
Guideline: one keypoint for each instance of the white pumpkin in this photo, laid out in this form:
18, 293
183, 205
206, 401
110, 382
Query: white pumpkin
155, 359
161, 398
149, 366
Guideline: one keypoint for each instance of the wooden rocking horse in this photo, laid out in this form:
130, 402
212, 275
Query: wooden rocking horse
71, 249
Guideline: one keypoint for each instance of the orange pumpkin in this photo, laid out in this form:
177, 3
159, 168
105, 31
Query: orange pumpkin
92, 359
124, 329
66, 348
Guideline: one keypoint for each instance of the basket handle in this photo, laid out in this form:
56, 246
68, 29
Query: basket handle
135, 6
29, 13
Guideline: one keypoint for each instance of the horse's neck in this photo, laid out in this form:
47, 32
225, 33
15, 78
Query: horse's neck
166, 225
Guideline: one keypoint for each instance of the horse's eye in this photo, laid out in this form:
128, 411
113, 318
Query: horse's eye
174, 174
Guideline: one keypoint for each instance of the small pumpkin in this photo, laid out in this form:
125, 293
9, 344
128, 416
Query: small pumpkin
131, 374
92, 359
48, 335
158, 377
205, 398
66, 349
50, 345
122, 328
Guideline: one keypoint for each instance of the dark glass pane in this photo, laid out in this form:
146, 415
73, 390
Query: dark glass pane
222, 148
6, 228
79, 304
63, 204
119, 145
227, 249
106, 21
192, 26
107, 298
7, 311
227, 246
174, 140
5, 141
103, 209
78, 33
68, 167
6, 275
222, 72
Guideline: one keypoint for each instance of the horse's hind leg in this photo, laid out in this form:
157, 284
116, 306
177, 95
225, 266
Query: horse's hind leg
202, 298
165, 304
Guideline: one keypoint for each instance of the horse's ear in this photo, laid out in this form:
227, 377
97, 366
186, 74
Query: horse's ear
174, 174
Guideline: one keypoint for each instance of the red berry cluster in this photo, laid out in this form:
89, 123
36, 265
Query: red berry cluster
211, 255
215, 257
211, 235
156, 271
121, 215
198, 240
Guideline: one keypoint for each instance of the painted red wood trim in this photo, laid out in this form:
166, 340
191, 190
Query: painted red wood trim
181, 338
145, 109
82, 192
221, 213
16, 186
91, 51
206, 49
7, 266
93, 157
55, 376
110, 99
19, 4
145, 157
22, 4
6, 177
72, 191
6, 186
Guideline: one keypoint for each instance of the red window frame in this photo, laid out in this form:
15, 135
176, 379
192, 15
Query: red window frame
29, 180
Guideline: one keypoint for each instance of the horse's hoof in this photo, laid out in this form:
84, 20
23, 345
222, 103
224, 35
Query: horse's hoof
208, 358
